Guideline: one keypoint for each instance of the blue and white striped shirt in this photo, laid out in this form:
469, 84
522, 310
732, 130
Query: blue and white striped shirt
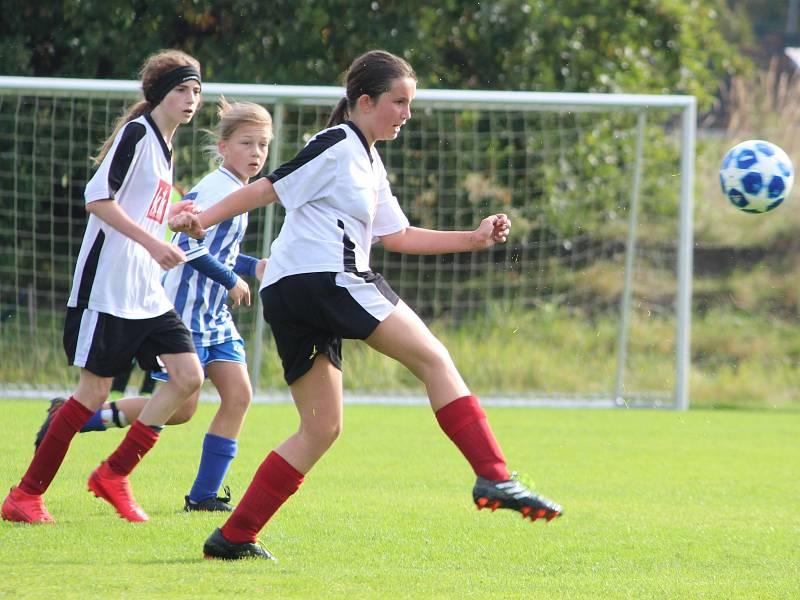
198, 299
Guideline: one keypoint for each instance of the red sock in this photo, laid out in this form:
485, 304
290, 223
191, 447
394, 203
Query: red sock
464, 422
67, 421
139, 439
274, 481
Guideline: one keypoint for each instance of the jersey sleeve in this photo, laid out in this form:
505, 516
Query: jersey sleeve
389, 217
116, 165
310, 174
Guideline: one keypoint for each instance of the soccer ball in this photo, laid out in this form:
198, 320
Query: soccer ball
756, 176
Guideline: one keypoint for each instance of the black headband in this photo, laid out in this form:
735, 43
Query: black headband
169, 80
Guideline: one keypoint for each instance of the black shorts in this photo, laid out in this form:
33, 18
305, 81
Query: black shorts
311, 313
106, 345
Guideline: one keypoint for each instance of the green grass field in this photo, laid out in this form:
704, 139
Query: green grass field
703, 504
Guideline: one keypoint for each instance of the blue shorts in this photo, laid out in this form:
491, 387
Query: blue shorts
231, 351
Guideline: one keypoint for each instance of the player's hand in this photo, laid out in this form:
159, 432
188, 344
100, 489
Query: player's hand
165, 254
262, 264
188, 223
501, 228
493, 230
182, 206
240, 292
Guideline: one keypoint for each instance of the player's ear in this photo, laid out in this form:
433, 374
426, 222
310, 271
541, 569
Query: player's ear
364, 103
222, 146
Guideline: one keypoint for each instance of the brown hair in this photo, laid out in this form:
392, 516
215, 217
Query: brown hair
154, 67
232, 115
372, 73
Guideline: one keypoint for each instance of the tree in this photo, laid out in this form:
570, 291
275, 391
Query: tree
658, 46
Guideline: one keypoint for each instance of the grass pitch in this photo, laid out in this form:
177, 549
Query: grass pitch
703, 504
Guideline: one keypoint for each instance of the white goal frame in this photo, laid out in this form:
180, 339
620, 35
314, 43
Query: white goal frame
280, 95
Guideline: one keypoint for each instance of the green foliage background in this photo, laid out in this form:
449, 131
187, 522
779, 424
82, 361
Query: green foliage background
659, 46
655, 46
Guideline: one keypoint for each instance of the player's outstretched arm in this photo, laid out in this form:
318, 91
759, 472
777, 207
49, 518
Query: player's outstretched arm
414, 240
253, 195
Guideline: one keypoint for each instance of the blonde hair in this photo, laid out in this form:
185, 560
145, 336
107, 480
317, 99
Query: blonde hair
153, 68
230, 117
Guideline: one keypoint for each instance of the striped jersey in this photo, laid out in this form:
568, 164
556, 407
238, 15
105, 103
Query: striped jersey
114, 274
338, 202
199, 300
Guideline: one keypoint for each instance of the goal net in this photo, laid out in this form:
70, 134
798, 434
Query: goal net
588, 302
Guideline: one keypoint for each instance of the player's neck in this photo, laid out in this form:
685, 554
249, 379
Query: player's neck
359, 121
166, 126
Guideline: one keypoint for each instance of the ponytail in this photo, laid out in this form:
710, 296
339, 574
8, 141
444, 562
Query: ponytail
340, 113
134, 112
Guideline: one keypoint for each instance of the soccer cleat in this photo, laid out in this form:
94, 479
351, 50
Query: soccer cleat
514, 495
218, 504
116, 490
22, 507
55, 404
217, 547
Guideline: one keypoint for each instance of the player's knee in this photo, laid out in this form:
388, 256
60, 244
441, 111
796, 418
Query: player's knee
240, 403
436, 362
188, 377
323, 431
237, 399
185, 411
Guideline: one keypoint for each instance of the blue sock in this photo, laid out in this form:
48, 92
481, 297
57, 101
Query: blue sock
95, 423
218, 452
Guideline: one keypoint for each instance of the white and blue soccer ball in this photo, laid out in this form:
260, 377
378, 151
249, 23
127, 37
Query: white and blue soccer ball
756, 176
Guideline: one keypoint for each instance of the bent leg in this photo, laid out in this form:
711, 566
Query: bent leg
185, 379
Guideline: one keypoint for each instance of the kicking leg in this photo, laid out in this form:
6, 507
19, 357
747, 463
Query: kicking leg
404, 337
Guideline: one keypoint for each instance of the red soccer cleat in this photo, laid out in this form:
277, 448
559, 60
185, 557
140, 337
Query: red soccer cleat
22, 507
116, 490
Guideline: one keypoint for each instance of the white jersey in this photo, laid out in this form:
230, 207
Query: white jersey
338, 202
114, 274
199, 300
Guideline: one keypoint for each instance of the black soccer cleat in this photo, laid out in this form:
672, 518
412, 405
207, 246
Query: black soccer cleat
514, 495
218, 504
55, 404
218, 548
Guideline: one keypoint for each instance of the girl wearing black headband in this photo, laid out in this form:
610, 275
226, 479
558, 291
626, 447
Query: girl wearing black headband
161, 73
118, 309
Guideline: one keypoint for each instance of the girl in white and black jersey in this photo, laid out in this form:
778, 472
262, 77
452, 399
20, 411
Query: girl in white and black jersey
118, 309
199, 290
318, 288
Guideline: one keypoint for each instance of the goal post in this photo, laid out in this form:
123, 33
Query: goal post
596, 275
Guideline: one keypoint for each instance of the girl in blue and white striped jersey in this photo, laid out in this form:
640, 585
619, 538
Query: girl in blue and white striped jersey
200, 289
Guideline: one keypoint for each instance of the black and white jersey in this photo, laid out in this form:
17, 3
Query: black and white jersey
338, 202
114, 274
